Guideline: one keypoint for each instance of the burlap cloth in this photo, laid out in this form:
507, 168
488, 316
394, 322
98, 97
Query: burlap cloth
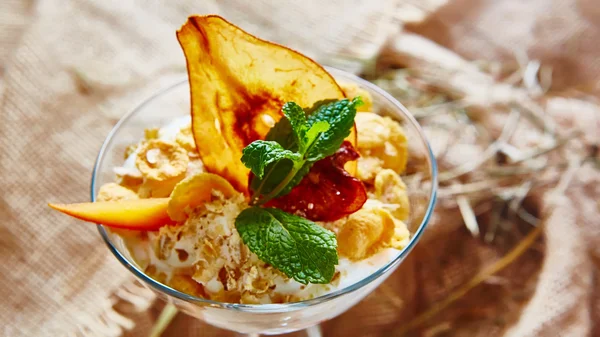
70, 69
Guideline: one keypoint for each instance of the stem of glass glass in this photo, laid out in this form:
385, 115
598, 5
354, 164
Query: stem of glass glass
313, 331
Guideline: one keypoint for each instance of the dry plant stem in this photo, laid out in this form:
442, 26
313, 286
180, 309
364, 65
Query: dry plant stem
389, 295
438, 109
560, 143
565, 180
514, 78
508, 171
468, 188
527, 217
535, 114
519, 196
506, 260
530, 77
468, 215
507, 131
164, 319
545, 74
490, 235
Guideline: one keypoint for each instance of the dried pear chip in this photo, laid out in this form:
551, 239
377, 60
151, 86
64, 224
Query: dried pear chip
238, 84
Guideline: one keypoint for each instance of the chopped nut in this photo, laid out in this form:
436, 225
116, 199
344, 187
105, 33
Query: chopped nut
390, 189
227, 277
365, 232
164, 242
206, 271
159, 160
115, 192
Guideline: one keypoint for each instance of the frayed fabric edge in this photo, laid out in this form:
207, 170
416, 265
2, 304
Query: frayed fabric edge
110, 322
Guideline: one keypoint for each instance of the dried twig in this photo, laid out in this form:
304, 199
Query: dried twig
468, 215
490, 235
468, 188
559, 143
492, 269
164, 319
490, 151
437, 109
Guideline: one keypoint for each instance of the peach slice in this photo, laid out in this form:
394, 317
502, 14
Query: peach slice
238, 85
139, 214
193, 191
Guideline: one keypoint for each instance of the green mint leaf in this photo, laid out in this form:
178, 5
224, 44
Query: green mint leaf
340, 116
294, 245
297, 178
312, 138
312, 134
282, 169
282, 133
294, 113
276, 173
260, 154
309, 111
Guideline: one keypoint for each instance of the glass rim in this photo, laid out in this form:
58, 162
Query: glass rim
266, 308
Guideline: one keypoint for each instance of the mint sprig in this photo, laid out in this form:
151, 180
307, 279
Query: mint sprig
294, 245
261, 156
311, 137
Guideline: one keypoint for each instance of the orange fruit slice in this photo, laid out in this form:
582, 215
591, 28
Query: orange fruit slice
137, 214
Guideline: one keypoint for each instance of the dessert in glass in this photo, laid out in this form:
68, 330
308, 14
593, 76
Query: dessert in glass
287, 225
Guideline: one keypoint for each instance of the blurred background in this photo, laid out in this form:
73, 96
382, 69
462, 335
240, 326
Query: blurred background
507, 91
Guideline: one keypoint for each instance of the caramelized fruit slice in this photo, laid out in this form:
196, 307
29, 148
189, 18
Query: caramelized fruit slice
238, 84
327, 192
140, 214
193, 191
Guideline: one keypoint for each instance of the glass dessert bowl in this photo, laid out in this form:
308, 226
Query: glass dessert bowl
277, 318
